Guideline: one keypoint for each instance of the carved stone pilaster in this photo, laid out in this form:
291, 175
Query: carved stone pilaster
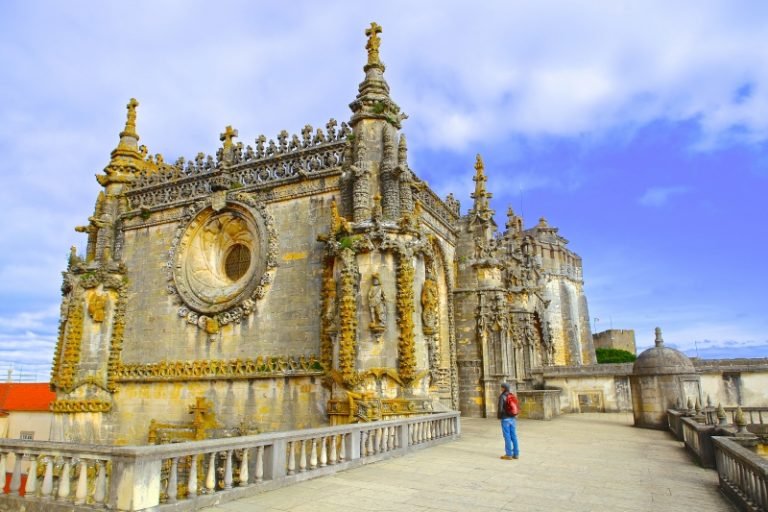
405, 308
361, 189
348, 316
390, 187
328, 320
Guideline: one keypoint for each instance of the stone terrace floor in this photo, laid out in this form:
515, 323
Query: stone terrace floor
577, 462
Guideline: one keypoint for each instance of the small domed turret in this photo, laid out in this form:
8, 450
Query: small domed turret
661, 360
661, 377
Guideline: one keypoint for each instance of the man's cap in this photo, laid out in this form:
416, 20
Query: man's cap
505, 385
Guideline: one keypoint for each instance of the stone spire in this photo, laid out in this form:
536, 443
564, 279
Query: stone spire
373, 101
481, 196
126, 158
659, 340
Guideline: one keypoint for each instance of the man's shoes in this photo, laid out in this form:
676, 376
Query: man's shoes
515, 456
508, 457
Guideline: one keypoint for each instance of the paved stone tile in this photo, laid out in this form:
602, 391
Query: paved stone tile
575, 463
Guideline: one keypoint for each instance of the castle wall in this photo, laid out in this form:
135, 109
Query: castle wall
593, 388
733, 382
622, 339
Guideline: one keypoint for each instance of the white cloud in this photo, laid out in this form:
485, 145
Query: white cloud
30, 320
659, 196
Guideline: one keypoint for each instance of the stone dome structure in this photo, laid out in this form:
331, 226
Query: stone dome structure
661, 377
661, 360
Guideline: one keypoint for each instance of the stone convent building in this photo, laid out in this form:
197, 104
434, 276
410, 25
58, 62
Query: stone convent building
300, 281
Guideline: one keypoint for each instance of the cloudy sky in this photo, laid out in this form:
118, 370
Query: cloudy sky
640, 129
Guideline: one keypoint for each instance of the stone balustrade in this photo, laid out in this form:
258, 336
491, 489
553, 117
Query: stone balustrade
192, 475
698, 440
752, 415
743, 474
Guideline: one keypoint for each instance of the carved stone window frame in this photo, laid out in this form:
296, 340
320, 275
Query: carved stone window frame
243, 304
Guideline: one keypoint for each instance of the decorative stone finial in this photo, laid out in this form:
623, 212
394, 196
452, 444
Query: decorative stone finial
481, 196
228, 149
659, 340
739, 420
720, 414
125, 158
373, 101
227, 136
373, 43
130, 123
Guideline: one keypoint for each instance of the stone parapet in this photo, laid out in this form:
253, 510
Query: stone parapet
615, 369
194, 475
730, 365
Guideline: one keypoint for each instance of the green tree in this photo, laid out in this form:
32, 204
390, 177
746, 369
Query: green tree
614, 355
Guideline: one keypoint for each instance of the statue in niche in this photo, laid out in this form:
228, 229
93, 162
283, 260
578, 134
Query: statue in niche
429, 303
377, 305
97, 305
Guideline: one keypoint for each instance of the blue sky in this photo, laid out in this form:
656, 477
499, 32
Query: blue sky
640, 129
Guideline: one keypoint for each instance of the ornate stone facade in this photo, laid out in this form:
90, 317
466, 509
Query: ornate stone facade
309, 279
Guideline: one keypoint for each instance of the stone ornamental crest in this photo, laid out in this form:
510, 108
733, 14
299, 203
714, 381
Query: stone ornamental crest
221, 261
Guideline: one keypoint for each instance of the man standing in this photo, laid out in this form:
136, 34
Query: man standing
506, 413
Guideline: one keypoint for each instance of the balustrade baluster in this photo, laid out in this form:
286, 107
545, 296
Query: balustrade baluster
31, 485
244, 468
363, 443
210, 477
47, 488
391, 438
384, 439
259, 463
15, 485
323, 452
100, 486
302, 456
342, 447
2, 470
332, 452
369, 442
64, 483
228, 470
192, 480
291, 458
172, 490
81, 492
313, 454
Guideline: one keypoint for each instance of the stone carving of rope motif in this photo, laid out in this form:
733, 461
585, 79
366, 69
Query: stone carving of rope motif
282, 167
268, 366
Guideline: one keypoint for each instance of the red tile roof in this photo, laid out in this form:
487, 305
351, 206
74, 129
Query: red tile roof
20, 396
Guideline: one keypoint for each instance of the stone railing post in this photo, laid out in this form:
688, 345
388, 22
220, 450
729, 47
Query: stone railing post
352, 447
403, 436
275, 460
135, 483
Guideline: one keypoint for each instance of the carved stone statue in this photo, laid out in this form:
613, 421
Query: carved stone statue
429, 299
377, 304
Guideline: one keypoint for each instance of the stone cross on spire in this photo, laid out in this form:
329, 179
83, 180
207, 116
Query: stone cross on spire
228, 149
373, 43
130, 123
227, 136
